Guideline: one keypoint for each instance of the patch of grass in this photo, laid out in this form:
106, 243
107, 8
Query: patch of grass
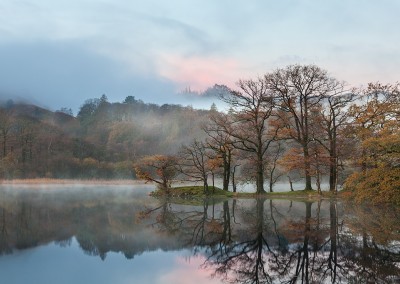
196, 194
192, 191
303, 194
295, 193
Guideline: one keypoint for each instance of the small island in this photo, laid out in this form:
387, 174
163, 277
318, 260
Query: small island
195, 192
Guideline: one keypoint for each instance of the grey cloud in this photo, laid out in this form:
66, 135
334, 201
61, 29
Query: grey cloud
192, 35
60, 74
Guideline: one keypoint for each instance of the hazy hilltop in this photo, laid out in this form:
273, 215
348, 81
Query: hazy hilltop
103, 140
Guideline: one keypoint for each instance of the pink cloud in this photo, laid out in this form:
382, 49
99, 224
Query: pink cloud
188, 271
198, 73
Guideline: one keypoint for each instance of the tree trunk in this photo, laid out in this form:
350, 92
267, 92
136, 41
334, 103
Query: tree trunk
317, 174
260, 181
333, 166
233, 179
227, 170
332, 173
270, 185
164, 185
271, 179
260, 176
226, 173
213, 181
291, 183
307, 168
205, 183
306, 255
333, 236
226, 234
260, 214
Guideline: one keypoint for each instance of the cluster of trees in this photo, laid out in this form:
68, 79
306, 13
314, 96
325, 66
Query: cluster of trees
297, 121
103, 140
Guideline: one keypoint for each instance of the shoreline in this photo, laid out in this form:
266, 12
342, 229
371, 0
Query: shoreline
197, 192
49, 181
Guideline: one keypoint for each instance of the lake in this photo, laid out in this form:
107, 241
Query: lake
119, 234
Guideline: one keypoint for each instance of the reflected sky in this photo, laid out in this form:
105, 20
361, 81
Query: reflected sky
120, 234
55, 264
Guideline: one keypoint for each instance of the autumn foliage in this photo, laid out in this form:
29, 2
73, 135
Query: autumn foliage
160, 169
376, 128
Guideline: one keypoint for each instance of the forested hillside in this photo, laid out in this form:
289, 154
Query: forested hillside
101, 142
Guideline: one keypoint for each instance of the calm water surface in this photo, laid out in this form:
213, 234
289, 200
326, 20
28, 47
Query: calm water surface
119, 234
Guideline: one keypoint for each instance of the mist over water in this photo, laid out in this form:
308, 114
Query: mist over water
113, 233
73, 191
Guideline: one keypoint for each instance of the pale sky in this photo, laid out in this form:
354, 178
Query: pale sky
60, 52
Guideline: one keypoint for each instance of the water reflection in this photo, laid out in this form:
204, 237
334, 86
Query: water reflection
241, 241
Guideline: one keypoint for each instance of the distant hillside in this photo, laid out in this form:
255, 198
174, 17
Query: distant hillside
101, 142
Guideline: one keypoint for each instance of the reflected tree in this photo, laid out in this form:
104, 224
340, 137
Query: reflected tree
245, 260
242, 240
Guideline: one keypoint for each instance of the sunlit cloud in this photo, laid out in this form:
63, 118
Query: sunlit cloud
198, 73
189, 271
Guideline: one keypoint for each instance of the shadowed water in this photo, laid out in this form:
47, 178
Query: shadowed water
119, 234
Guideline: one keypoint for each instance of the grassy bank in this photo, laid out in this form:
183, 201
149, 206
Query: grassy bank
197, 191
192, 191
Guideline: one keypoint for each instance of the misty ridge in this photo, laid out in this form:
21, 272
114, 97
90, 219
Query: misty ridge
102, 141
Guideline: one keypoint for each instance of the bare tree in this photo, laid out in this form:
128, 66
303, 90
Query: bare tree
299, 89
220, 142
193, 162
251, 128
334, 117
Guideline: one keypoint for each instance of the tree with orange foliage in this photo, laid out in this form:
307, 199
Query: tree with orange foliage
376, 129
293, 161
160, 169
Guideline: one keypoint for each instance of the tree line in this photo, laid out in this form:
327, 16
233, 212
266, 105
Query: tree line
295, 122
102, 141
